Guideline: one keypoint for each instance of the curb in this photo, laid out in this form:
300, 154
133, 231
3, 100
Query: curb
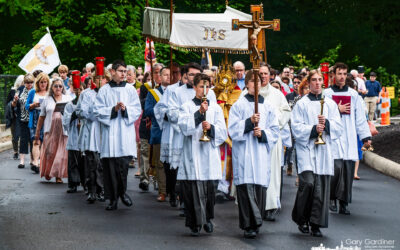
382, 164
5, 146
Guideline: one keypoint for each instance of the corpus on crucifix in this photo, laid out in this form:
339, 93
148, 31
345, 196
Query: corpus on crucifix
256, 39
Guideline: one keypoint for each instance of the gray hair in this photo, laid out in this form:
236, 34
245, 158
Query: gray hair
158, 65
354, 72
131, 68
55, 80
90, 65
18, 82
239, 63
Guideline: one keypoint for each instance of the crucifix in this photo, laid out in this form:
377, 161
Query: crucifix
256, 33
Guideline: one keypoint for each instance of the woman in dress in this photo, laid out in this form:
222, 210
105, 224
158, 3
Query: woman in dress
20, 99
53, 154
35, 98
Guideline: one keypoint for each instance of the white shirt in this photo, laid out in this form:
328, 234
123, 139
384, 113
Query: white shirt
47, 109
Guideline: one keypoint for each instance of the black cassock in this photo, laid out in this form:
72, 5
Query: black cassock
76, 169
342, 181
251, 202
199, 200
115, 172
94, 172
312, 199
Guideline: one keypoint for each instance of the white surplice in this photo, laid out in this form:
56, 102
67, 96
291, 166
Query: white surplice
118, 137
251, 159
201, 161
282, 110
178, 97
354, 123
311, 157
89, 136
160, 111
71, 127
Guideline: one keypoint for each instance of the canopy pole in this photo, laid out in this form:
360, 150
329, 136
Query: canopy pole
171, 11
151, 55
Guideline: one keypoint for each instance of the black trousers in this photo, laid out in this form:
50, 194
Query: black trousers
251, 200
170, 176
25, 144
115, 171
312, 199
93, 172
76, 169
199, 201
342, 181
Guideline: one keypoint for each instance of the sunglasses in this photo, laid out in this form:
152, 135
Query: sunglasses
58, 86
28, 82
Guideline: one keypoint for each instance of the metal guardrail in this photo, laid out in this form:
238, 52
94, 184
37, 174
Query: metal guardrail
6, 83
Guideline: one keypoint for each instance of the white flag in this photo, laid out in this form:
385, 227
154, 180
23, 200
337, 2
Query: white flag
43, 56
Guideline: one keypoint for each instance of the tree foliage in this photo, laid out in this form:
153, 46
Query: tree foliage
354, 31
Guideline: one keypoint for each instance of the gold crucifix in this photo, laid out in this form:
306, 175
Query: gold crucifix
256, 32
256, 40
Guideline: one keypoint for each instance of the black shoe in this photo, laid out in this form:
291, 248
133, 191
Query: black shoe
35, 169
270, 215
86, 190
72, 190
250, 234
209, 227
343, 209
333, 206
126, 200
195, 231
91, 198
15, 156
173, 202
100, 196
304, 228
21, 166
144, 186
112, 206
315, 231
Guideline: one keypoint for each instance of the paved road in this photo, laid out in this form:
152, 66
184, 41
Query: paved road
36, 214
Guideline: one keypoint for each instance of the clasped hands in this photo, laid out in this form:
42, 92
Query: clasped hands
119, 106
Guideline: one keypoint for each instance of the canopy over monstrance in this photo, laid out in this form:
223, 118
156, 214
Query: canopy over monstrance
197, 32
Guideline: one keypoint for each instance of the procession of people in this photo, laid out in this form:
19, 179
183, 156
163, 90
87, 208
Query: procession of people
197, 141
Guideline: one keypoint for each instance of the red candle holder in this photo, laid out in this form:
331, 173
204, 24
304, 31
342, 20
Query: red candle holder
100, 66
325, 73
76, 79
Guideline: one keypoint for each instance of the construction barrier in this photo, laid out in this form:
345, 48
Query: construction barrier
385, 112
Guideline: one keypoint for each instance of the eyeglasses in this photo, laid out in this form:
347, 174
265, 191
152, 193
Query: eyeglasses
296, 82
286, 72
122, 71
58, 86
239, 70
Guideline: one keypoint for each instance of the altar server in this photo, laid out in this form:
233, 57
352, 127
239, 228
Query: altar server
346, 150
160, 113
90, 140
71, 124
314, 160
117, 107
251, 154
203, 127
